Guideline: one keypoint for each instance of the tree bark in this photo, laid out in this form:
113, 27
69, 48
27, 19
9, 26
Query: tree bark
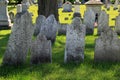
48, 7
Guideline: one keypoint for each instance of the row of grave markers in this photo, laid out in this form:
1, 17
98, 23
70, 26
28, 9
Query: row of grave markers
107, 45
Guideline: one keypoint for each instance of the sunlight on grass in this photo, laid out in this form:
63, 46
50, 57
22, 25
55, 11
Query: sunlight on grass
57, 70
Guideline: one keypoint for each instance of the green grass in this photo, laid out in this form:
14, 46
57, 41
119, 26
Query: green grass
57, 70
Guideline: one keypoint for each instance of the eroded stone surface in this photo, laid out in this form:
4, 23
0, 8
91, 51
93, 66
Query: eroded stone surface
107, 46
89, 20
62, 29
102, 22
75, 41
39, 21
19, 40
41, 50
49, 28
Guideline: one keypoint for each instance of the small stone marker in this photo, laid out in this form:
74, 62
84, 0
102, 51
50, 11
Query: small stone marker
41, 50
103, 21
67, 7
89, 20
75, 41
19, 40
107, 46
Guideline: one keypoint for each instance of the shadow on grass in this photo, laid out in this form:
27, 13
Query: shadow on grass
3, 44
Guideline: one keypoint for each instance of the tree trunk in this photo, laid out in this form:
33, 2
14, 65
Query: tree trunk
48, 7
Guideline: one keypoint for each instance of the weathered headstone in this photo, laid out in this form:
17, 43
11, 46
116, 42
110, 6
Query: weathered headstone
49, 28
39, 21
62, 29
60, 3
95, 5
77, 9
75, 42
107, 46
67, 7
103, 21
20, 40
19, 8
4, 17
89, 20
41, 50
117, 24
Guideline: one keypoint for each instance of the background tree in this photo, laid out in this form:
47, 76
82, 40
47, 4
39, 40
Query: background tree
48, 7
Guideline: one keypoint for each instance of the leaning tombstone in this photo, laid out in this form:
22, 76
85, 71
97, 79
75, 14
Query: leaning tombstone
103, 22
117, 24
39, 21
89, 20
19, 40
67, 7
107, 46
4, 17
49, 28
75, 42
41, 50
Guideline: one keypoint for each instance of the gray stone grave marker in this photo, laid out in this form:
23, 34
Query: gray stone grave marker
107, 46
19, 40
89, 20
75, 42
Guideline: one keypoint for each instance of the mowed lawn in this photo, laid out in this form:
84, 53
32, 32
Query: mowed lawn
57, 70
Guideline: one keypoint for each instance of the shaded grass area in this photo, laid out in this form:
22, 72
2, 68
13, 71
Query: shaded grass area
57, 70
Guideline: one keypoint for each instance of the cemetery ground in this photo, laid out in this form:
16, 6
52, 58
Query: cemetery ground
57, 70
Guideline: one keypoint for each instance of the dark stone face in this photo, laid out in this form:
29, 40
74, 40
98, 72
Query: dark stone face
41, 50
